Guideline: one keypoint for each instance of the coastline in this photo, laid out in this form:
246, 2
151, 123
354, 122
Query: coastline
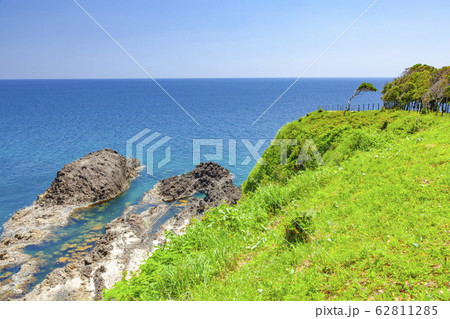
80, 184
127, 242
131, 238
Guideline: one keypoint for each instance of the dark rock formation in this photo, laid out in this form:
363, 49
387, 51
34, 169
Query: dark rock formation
209, 178
95, 177
130, 239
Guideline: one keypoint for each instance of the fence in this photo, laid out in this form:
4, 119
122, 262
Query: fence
358, 107
444, 107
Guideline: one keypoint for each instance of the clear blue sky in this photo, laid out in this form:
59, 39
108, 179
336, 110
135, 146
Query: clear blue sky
220, 38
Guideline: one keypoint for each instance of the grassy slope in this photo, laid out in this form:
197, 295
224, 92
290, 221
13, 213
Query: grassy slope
378, 221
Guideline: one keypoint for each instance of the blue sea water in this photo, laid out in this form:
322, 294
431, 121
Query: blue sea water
45, 124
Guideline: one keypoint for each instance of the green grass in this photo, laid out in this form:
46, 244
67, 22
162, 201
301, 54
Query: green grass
374, 221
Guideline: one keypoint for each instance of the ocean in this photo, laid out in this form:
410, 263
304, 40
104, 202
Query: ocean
45, 124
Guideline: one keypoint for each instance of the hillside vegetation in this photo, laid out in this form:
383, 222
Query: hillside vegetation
372, 223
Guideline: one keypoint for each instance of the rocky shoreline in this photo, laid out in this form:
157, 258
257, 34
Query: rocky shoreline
128, 240
131, 238
96, 177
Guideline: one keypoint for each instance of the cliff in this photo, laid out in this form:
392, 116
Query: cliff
368, 222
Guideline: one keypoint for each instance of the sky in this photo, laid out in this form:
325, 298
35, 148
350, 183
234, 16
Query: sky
220, 39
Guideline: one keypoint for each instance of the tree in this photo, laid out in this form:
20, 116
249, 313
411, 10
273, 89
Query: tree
420, 86
363, 87
438, 93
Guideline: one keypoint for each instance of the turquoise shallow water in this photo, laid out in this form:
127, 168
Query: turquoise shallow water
45, 124
77, 239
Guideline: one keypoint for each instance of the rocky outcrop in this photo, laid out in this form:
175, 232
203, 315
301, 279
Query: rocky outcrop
130, 239
209, 178
96, 177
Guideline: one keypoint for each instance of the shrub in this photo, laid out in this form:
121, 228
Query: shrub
299, 228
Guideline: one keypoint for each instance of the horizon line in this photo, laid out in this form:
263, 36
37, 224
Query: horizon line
200, 78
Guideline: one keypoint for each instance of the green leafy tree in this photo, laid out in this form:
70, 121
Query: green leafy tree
420, 86
363, 87
438, 92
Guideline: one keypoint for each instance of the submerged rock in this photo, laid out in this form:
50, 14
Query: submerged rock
96, 177
130, 239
